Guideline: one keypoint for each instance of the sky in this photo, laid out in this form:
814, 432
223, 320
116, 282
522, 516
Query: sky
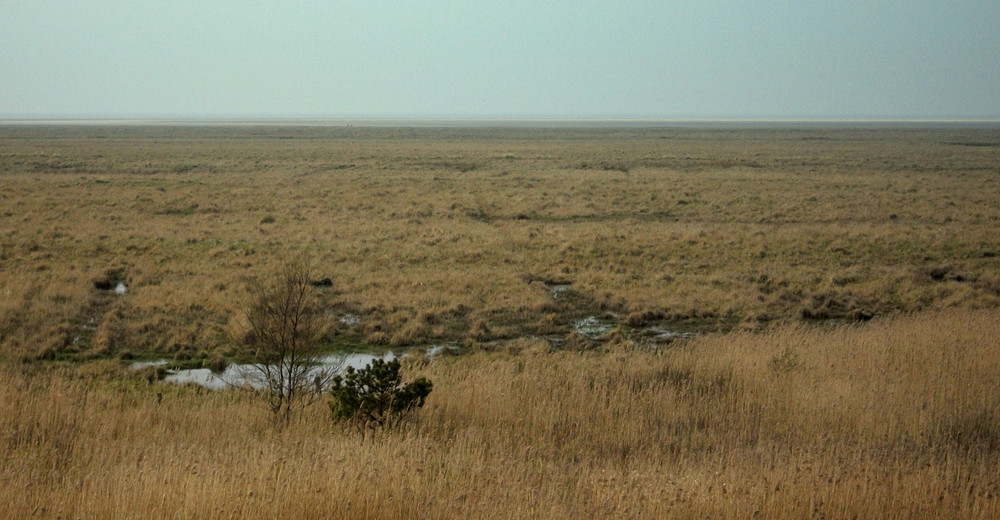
580, 59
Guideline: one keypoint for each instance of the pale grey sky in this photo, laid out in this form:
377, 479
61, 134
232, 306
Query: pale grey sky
513, 58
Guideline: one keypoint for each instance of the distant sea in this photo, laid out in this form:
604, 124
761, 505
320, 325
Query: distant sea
514, 122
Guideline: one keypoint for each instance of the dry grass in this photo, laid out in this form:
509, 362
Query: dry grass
443, 234
896, 419
434, 235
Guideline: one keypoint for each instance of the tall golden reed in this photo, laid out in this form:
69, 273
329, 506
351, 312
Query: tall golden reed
894, 419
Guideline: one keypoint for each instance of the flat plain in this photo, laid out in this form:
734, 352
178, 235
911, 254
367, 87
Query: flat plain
793, 321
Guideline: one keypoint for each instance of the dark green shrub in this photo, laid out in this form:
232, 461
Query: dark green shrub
375, 397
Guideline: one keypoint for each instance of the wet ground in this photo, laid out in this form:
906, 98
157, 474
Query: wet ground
240, 375
581, 317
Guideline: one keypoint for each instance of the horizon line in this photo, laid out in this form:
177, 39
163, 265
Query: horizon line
473, 121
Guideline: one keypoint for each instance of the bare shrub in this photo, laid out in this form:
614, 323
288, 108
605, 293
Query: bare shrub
282, 339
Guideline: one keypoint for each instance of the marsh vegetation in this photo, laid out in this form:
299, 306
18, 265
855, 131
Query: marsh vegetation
782, 322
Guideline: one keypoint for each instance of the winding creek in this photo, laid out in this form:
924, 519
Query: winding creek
236, 375
590, 327
239, 375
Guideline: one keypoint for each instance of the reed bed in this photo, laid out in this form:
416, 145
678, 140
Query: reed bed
896, 418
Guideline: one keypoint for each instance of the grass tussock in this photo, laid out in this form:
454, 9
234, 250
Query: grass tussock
894, 419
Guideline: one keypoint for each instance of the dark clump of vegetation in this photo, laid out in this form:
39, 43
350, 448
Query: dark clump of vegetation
374, 397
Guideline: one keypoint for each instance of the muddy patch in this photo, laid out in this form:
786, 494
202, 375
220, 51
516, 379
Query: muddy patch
349, 319
582, 317
558, 291
113, 280
595, 327
664, 335
111, 286
139, 365
83, 326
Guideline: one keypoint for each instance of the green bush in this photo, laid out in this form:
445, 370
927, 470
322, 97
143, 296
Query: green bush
374, 397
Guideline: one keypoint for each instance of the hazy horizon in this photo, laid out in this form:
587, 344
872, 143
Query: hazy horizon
392, 120
576, 61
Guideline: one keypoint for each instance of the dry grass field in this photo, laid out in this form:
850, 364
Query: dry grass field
845, 283
434, 235
896, 419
